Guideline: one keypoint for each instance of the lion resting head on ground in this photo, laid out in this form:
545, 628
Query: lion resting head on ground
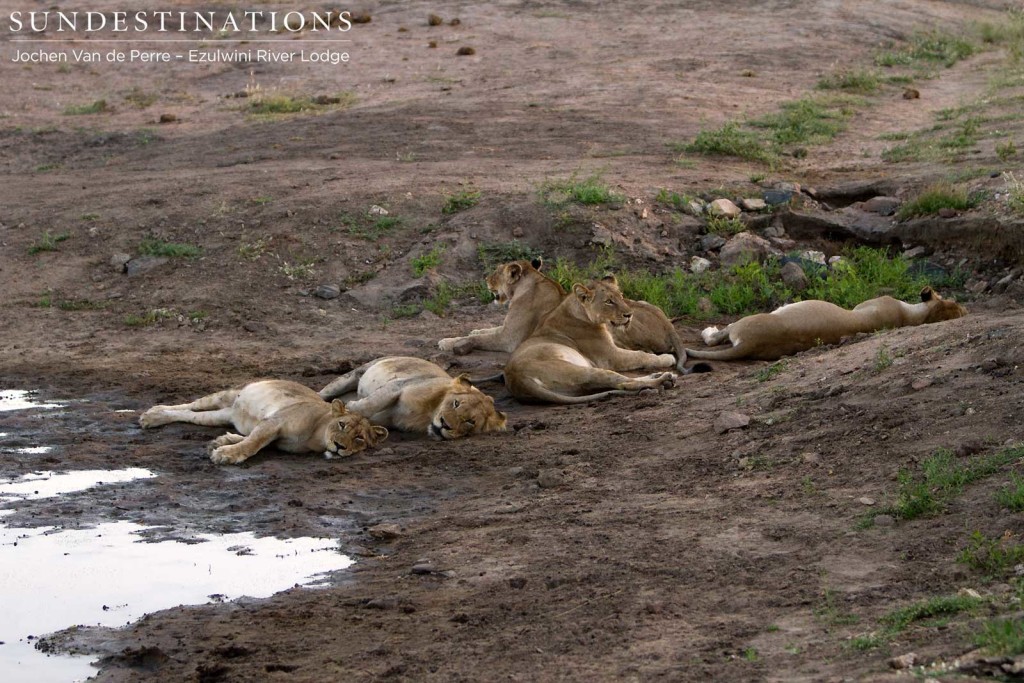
414, 395
805, 324
571, 357
287, 414
529, 294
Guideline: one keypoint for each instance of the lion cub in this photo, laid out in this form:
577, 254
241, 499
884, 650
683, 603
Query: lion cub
284, 413
413, 395
805, 324
571, 358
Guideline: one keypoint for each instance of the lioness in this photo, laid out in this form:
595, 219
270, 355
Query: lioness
412, 394
805, 324
531, 295
285, 413
571, 357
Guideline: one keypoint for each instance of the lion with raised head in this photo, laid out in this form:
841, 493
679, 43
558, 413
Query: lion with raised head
415, 395
287, 414
571, 357
802, 325
531, 295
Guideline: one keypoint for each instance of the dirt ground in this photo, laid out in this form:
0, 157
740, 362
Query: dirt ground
625, 540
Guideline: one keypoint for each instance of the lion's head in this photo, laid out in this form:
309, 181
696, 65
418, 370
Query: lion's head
602, 302
940, 309
503, 281
465, 410
348, 433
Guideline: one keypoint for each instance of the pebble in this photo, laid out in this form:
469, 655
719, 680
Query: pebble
884, 520
903, 661
384, 532
698, 264
694, 207
378, 211
793, 276
866, 501
711, 242
915, 252
774, 231
753, 204
144, 263
550, 478
947, 212
921, 383
811, 458
168, 118
727, 421
724, 208
883, 206
327, 292
119, 262
423, 568
778, 197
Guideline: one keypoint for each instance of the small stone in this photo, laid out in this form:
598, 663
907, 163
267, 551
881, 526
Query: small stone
378, 211
517, 232
811, 458
778, 197
168, 118
324, 100
969, 447
774, 232
833, 260
884, 520
915, 252
698, 264
724, 208
327, 292
465, 51
550, 478
969, 593
385, 532
694, 207
434, 20
947, 212
144, 263
384, 451
813, 256
866, 500
903, 661
423, 568
753, 204
883, 206
727, 421
788, 187
921, 383
793, 276
745, 248
119, 262
978, 286
911, 94
712, 242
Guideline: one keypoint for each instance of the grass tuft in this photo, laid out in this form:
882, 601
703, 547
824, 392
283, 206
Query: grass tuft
493, 254
993, 556
48, 242
859, 81
426, 262
460, 201
731, 141
935, 198
589, 191
151, 246
1003, 637
97, 107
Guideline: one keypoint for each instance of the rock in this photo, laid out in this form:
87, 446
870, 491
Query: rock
1005, 282
378, 211
255, 327
724, 208
921, 383
119, 262
465, 51
911, 94
694, 207
327, 292
848, 222
517, 232
167, 118
916, 252
143, 264
385, 532
777, 197
811, 458
782, 243
793, 276
787, 187
699, 264
947, 212
866, 501
813, 256
883, 206
712, 242
727, 421
550, 478
884, 520
746, 247
833, 260
857, 191
969, 447
774, 231
423, 568
753, 204
976, 287
903, 661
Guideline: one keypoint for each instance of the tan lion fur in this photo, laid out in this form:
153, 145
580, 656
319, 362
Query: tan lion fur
287, 414
805, 324
413, 395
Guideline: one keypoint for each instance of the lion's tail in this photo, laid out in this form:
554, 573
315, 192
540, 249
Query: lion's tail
540, 393
730, 353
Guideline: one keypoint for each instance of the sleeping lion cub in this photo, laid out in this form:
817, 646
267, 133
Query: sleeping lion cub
284, 413
805, 324
415, 395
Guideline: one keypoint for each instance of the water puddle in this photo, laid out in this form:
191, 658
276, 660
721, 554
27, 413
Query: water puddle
109, 575
20, 399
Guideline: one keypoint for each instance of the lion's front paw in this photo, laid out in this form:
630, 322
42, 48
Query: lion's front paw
667, 380
227, 455
153, 417
666, 360
228, 439
447, 344
707, 333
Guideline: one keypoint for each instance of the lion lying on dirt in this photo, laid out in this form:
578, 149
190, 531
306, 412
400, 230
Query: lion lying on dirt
414, 395
805, 324
284, 413
571, 357
531, 295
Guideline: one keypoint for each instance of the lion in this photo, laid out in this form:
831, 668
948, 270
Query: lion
571, 357
287, 414
413, 395
531, 295
799, 326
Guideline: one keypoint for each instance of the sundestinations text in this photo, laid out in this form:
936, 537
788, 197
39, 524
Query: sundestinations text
178, 21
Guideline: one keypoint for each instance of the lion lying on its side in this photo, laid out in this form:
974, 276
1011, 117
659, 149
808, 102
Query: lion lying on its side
412, 394
531, 295
571, 357
805, 324
285, 413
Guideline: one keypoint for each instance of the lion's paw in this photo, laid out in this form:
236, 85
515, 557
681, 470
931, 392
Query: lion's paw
707, 333
666, 360
152, 418
228, 439
447, 344
226, 455
667, 380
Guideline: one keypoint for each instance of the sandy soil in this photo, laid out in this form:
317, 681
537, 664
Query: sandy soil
657, 548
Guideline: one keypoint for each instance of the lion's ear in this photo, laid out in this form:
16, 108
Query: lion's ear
582, 293
381, 433
610, 278
337, 407
537, 263
927, 294
463, 379
515, 271
499, 422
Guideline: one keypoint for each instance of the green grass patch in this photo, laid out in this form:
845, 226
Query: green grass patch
48, 242
148, 318
276, 105
493, 254
944, 605
140, 99
732, 141
805, 121
428, 261
673, 199
727, 227
460, 201
1001, 637
589, 191
770, 371
993, 556
859, 81
300, 270
1015, 193
97, 107
151, 246
935, 198
1011, 496
79, 305
1006, 150
831, 613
